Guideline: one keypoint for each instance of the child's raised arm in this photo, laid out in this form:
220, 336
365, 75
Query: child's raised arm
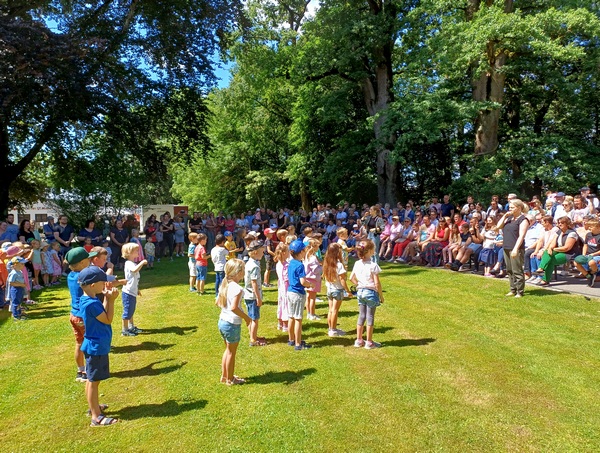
139, 266
106, 316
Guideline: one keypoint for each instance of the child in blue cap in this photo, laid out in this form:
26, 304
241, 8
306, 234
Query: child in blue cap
97, 319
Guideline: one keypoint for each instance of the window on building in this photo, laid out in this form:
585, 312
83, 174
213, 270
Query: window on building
41, 218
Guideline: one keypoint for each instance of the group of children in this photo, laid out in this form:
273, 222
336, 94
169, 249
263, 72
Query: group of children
300, 269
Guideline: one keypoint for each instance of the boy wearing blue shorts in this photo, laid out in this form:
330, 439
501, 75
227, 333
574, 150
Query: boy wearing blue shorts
78, 259
253, 290
201, 259
296, 294
218, 255
97, 317
16, 285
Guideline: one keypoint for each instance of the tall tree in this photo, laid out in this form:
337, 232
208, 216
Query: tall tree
67, 65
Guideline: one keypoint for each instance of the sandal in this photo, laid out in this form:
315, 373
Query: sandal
103, 407
258, 342
236, 381
103, 421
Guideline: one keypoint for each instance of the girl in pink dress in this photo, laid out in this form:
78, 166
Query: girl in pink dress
314, 274
282, 254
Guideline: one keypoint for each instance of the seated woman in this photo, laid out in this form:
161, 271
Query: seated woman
408, 237
449, 251
487, 256
561, 249
384, 238
587, 262
541, 246
414, 249
396, 229
433, 251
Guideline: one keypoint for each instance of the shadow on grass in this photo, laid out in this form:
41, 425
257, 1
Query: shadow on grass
169, 408
336, 341
148, 370
144, 346
42, 313
409, 342
171, 329
281, 377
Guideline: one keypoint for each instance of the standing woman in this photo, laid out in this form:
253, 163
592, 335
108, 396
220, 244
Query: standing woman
118, 237
167, 227
373, 224
211, 228
514, 225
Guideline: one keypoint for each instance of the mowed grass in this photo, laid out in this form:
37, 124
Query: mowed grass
462, 368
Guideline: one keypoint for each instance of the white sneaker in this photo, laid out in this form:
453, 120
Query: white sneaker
318, 299
332, 333
372, 345
309, 317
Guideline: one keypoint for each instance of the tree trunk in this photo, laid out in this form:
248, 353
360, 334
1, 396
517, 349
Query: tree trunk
489, 87
378, 96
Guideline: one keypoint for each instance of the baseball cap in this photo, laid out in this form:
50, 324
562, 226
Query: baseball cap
269, 232
77, 255
18, 259
50, 217
560, 194
227, 233
584, 189
255, 245
93, 274
253, 233
297, 246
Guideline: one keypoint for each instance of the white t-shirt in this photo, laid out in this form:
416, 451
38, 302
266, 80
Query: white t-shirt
233, 290
133, 278
364, 271
218, 255
337, 285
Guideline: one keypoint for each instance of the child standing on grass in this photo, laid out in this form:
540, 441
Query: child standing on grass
230, 245
46, 263
56, 265
78, 259
97, 317
230, 320
335, 281
282, 253
36, 261
296, 295
150, 250
218, 254
253, 291
17, 287
130, 252
270, 245
193, 237
365, 275
314, 275
201, 260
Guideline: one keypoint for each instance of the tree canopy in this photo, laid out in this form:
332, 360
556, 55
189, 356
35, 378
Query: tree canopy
71, 68
384, 99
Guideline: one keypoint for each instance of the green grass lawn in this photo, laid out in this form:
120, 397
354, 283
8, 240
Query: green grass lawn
461, 369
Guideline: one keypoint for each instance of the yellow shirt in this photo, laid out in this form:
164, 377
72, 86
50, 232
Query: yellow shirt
230, 245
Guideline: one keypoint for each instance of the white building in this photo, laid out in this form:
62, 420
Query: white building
38, 212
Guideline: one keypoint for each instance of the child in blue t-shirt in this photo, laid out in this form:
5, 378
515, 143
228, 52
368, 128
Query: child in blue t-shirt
97, 317
16, 285
296, 295
78, 259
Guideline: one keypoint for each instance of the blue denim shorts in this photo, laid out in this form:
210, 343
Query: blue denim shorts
97, 367
337, 294
368, 297
201, 271
253, 309
231, 333
129, 304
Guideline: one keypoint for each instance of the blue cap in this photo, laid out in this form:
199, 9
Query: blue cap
297, 246
93, 274
227, 233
